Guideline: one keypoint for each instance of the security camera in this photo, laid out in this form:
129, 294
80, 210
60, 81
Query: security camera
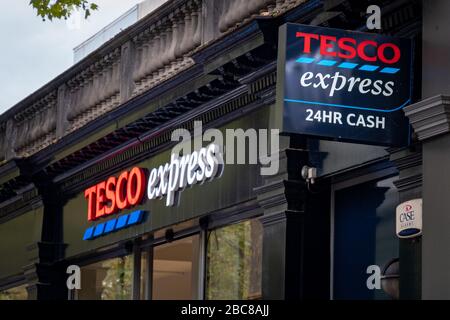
309, 174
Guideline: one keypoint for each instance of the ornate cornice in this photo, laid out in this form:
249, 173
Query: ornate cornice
430, 117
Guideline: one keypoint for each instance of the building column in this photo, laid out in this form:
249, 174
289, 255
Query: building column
46, 274
46, 280
296, 232
408, 161
431, 122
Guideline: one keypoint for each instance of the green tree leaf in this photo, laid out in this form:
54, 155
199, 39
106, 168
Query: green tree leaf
62, 9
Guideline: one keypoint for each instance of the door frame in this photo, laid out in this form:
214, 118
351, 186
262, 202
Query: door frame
378, 175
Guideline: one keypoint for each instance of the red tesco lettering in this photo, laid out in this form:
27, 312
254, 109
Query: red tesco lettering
349, 48
114, 194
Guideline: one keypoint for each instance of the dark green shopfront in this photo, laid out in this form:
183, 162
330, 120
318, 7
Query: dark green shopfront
240, 235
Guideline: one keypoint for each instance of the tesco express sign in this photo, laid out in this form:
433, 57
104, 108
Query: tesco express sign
169, 180
344, 85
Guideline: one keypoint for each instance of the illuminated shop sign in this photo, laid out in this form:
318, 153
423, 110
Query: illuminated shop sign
114, 194
343, 85
128, 190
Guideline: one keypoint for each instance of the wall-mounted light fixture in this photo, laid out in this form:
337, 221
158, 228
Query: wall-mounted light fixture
390, 278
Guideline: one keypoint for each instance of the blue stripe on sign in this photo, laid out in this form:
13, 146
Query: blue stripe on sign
347, 65
135, 217
122, 222
345, 106
368, 67
110, 226
99, 229
327, 63
389, 70
304, 60
88, 233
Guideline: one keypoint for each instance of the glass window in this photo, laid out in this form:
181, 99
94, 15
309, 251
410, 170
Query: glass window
176, 269
364, 235
234, 262
16, 293
107, 280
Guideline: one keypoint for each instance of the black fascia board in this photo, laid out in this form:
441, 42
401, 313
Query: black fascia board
8, 168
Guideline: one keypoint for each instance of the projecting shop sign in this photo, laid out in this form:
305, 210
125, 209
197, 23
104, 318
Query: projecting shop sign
409, 219
343, 85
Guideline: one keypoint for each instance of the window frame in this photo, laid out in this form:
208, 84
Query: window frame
15, 283
136, 247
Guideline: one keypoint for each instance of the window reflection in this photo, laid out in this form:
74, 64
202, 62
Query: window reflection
16, 293
235, 261
107, 280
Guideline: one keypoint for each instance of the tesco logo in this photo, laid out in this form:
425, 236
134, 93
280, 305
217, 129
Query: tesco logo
114, 194
349, 48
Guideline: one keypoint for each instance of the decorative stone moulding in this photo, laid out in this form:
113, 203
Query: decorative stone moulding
35, 126
93, 92
233, 13
162, 50
430, 117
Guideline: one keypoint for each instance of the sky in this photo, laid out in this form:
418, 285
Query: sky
33, 51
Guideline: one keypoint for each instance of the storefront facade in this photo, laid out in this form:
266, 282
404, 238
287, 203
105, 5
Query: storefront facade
240, 234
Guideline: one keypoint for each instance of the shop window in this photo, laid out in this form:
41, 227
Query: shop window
234, 262
107, 280
364, 236
176, 270
16, 293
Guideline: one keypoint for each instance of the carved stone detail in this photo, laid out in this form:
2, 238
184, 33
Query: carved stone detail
94, 91
36, 126
236, 12
163, 48
430, 117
